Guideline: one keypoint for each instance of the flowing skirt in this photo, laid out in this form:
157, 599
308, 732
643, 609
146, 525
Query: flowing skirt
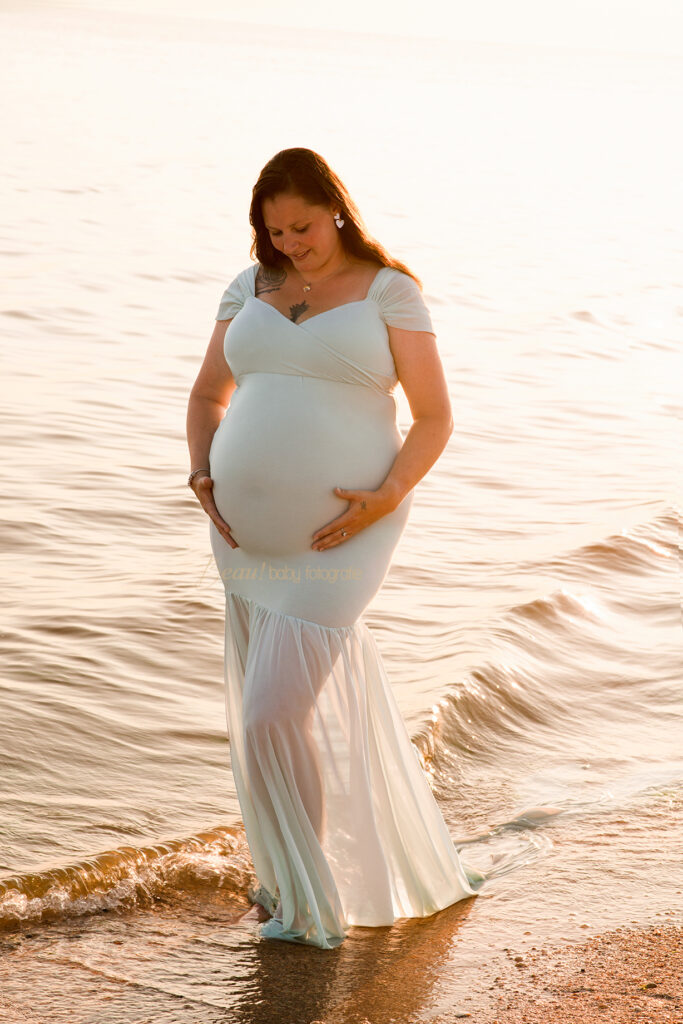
339, 816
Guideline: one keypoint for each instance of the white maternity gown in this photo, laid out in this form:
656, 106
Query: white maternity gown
341, 822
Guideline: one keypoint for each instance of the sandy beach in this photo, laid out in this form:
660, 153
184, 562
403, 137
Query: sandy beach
620, 976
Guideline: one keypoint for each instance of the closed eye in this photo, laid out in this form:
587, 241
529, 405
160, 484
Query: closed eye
298, 231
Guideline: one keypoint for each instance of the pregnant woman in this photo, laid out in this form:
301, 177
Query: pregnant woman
297, 459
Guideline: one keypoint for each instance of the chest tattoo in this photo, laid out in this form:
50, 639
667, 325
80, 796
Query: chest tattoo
297, 309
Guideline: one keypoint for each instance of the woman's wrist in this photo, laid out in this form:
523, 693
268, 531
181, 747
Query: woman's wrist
196, 473
392, 492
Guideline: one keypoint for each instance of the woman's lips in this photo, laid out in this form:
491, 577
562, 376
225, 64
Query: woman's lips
301, 255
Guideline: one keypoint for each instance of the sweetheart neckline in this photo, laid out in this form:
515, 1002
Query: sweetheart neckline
356, 302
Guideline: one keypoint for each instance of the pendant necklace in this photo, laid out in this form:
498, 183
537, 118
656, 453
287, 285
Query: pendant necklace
307, 287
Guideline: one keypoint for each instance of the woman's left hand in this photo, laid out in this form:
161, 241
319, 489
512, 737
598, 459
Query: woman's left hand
365, 507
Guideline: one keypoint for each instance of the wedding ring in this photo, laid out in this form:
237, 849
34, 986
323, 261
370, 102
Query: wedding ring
343, 533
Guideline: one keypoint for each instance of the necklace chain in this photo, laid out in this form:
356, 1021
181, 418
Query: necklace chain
307, 285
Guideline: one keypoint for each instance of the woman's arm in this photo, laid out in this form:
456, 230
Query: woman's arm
419, 370
209, 398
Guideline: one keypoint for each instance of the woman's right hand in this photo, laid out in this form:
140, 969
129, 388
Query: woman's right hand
203, 488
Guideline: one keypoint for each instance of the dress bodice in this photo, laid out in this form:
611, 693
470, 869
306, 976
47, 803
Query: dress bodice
348, 343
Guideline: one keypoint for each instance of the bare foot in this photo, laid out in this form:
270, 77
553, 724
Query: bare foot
256, 913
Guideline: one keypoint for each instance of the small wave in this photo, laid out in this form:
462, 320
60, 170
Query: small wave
625, 552
128, 877
491, 703
513, 844
506, 853
527, 686
637, 549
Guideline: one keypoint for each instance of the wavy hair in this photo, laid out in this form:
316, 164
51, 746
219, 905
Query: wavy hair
305, 173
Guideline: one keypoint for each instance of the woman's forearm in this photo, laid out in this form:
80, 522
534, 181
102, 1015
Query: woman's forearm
424, 442
203, 418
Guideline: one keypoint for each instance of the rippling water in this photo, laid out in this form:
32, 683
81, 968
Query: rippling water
530, 622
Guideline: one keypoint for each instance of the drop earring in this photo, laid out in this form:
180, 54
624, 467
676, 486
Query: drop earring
338, 220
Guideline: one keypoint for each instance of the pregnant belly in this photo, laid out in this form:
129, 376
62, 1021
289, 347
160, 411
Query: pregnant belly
284, 444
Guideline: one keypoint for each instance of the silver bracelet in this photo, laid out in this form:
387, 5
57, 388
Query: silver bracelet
194, 473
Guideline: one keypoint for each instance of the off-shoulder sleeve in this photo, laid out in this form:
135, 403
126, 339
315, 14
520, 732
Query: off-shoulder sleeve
235, 294
400, 301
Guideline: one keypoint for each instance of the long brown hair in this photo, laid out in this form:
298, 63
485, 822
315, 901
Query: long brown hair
304, 173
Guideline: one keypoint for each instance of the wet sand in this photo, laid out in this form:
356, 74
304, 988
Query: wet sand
624, 975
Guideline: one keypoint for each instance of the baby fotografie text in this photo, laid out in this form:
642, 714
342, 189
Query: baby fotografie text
291, 574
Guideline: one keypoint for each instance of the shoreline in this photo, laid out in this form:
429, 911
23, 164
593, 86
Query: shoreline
626, 974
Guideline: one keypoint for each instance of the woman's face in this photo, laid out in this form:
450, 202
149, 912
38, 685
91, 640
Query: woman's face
306, 234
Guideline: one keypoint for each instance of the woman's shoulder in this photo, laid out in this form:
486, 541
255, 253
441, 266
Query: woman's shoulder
400, 300
237, 292
386, 272
247, 276
392, 282
381, 279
